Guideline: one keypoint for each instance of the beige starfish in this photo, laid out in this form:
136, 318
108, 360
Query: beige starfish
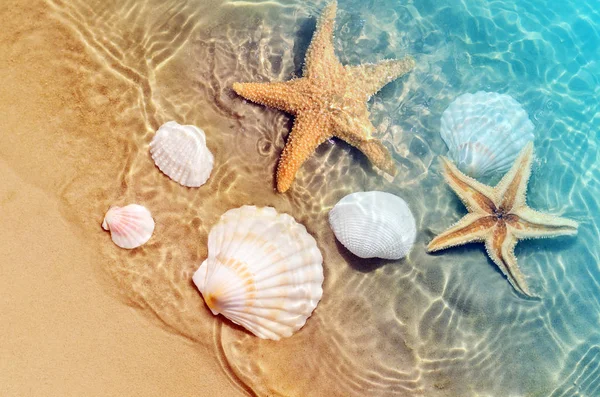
330, 100
499, 216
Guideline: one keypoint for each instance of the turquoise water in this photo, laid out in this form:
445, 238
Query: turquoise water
545, 55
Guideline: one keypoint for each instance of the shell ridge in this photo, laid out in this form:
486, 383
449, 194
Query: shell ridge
485, 132
232, 242
290, 321
231, 291
374, 224
268, 313
316, 283
297, 266
264, 271
130, 226
180, 152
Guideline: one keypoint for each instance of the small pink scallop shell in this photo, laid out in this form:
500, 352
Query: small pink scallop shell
130, 226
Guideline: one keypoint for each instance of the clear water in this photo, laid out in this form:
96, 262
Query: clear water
436, 325
544, 54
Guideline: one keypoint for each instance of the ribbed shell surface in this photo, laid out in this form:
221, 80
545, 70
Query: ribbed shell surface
485, 132
180, 152
374, 225
129, 226
264, 271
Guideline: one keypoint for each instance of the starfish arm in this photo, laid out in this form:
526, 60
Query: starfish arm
471, 228
370, 78
356, 131
378, 155
513, 186
286, 96
533, 224
476, 196
320, 61
309, 131
500, 246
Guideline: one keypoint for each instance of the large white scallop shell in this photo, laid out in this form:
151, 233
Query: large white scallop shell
180, 152
374, 225
485, 132
130, 226
263, 271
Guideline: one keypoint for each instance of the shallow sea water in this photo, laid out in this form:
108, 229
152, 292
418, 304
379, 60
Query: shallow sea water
436, 325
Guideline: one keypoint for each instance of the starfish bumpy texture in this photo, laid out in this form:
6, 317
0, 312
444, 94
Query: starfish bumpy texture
499, 216
329, 100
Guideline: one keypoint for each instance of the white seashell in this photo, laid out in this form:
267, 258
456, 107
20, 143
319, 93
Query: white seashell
130, 226
181, 153
374, 225
263, 271
485, 132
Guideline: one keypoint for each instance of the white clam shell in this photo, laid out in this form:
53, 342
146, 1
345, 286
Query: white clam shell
485, 132
264, 271
130, 226
374, 225
180, 152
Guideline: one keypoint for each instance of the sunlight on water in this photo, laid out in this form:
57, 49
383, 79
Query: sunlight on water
437, 325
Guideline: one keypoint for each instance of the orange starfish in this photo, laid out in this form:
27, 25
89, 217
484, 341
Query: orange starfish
499, 216
330, 100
